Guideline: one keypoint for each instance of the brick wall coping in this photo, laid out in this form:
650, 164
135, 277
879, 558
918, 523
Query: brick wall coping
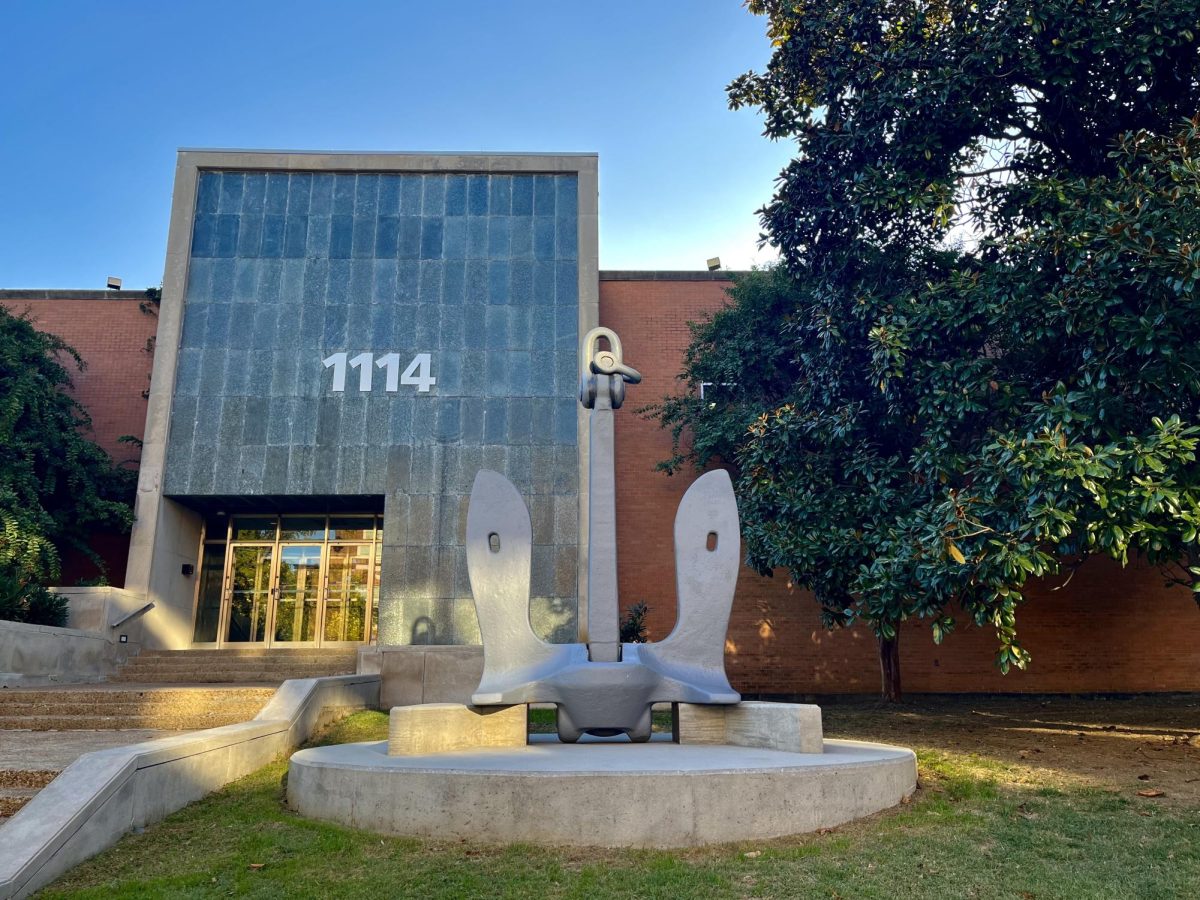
650, 275
50, 294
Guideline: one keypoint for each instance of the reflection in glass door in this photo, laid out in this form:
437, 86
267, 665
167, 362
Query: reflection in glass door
289, 580
347, 598
250, 590
298, 597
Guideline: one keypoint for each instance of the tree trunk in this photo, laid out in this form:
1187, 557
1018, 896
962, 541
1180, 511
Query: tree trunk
889, 668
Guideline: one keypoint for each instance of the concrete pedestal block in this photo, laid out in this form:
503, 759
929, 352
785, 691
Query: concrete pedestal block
790, 727
444, 727
423, 673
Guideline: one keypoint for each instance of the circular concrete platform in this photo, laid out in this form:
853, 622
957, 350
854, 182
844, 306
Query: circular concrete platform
658, 794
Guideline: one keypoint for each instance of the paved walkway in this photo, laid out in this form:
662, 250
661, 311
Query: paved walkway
55, 750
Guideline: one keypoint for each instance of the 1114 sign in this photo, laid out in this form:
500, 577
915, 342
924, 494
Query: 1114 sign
417, 373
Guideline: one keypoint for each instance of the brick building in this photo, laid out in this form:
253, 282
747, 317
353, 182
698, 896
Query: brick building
302, 487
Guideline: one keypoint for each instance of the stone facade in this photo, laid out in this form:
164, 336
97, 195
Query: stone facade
479, 271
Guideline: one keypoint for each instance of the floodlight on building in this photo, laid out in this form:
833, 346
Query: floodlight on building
114, 283
714, 264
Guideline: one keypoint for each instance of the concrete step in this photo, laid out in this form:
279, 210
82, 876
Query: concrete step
239, 663
250, 665
253, 653
276, 672
146, 697
203, 676
134, 706
164, 722
106, 707
19, 786
236, 665
236, 654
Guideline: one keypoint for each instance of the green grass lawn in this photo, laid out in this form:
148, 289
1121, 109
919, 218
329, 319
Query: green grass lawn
980, 826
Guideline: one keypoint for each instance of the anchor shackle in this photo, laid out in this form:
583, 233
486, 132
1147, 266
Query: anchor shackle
594, 361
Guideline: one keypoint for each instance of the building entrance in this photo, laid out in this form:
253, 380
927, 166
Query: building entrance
290, 581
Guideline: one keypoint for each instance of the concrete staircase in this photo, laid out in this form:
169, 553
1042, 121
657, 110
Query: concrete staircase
235, 666
157, 692
43, 729
103, 707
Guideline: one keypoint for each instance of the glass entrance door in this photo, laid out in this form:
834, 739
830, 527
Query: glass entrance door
250, 593
298, 595
290, 581
348, 598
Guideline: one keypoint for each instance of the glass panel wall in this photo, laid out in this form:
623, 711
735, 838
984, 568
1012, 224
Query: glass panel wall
290, 579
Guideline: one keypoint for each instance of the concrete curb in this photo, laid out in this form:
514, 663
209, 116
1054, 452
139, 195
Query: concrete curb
105, 794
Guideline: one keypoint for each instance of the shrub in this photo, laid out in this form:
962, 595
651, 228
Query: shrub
44, 607
633, 624
22, 601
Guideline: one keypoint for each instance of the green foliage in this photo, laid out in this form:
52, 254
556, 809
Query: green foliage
12, 599
633, 624
979, 359
45, 607
24, 601
56, 486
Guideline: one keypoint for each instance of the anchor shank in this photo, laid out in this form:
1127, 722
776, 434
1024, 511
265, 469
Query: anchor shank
604, 638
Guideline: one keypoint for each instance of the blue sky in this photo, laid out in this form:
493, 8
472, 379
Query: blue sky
97, 97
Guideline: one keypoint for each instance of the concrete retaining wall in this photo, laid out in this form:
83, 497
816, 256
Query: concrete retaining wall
41, 654
86, 650
95, 608
106, 794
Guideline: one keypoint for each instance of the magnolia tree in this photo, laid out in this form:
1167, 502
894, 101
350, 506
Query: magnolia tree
56, 486
978, 360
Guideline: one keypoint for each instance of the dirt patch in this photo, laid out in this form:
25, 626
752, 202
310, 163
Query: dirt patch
1146, 743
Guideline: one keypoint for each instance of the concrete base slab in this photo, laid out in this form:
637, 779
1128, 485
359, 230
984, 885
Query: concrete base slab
657, 794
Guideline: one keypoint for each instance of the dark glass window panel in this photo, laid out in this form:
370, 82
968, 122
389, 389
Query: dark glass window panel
351, 528
208, 610
302, 528
216, 528
254, 528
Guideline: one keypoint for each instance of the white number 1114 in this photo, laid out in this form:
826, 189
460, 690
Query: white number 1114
417, 373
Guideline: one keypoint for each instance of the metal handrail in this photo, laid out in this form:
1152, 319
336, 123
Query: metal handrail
137, 612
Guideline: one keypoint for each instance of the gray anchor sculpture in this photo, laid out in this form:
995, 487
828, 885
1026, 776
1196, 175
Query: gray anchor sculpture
603, 687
